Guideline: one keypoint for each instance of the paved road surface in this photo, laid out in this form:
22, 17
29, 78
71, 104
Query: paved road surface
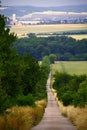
52, 119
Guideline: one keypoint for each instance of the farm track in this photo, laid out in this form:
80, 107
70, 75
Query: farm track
52, 119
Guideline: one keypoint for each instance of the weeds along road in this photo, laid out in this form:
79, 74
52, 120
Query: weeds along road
52, 119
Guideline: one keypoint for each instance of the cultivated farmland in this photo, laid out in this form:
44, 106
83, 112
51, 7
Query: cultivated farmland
57, 28
79, 36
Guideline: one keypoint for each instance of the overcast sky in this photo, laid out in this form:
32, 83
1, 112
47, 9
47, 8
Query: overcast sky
43, 2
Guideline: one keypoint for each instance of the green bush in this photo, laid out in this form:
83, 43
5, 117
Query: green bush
4, 100
25, 100
80, 98
67, 98
71, 89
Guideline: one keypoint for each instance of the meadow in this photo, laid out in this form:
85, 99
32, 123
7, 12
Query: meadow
71, 67
53, 28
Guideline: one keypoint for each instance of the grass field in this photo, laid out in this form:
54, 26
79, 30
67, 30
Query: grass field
71, 67
24, 29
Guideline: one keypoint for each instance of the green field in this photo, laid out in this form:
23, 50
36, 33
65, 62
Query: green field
71, 67
54, 28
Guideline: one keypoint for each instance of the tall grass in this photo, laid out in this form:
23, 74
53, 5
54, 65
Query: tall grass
22, 118
77, 115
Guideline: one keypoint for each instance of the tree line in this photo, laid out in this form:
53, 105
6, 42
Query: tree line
22, 78
63, 47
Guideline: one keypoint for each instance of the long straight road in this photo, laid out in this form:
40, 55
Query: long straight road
52, 119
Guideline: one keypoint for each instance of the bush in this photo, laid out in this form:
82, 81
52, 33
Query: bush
4, 100
71, 89
80, 98
67, 98
25, 100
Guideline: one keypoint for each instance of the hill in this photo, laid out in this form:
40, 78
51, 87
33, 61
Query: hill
23, 10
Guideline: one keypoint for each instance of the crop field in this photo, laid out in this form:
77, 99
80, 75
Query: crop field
71, 67
79, 36
56, 28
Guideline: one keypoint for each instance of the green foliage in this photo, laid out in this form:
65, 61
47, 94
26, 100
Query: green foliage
31, 74
46, 64
22, 79
61, 79
4, 100
80, 98
67, 98
71, 89
63, 47
25, 100
52, 58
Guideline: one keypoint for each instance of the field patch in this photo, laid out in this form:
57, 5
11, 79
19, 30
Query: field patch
79, 36
57, 28
71, 67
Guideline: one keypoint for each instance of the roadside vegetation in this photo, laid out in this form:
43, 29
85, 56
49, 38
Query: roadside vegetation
77, 115
22, 117
22, 83
70, 90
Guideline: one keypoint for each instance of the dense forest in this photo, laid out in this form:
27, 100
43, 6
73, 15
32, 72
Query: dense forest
22, 78
65, 48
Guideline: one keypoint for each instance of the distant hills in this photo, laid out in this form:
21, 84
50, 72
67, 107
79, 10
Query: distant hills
24, 10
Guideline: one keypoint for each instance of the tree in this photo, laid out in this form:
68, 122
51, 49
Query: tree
52, 58
0, 3
6, 60
31, 74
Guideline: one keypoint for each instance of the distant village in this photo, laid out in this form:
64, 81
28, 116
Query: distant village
53, 20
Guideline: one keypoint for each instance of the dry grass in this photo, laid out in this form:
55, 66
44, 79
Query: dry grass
22, 118
77, 115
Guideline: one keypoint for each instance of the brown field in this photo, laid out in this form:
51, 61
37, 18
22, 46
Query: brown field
24, 29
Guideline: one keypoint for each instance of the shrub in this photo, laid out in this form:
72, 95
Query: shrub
25, 100
71, 89
4, 100
80, 98
67, 98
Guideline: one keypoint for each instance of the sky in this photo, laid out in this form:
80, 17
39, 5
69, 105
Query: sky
43, 3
